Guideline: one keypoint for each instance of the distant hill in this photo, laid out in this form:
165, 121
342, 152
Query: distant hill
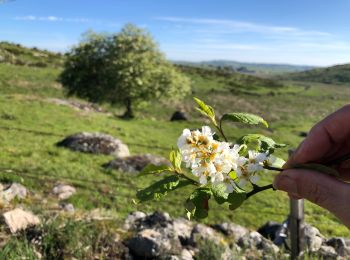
17, 54
339, 74
250, 68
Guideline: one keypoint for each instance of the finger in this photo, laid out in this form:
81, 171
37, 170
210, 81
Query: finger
321, 189
323, 137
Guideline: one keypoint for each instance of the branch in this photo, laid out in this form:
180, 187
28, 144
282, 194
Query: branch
257, 189
221, 130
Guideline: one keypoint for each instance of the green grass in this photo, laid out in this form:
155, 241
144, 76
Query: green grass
30, 127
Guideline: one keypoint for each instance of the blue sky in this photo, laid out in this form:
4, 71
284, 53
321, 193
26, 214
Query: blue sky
310, 32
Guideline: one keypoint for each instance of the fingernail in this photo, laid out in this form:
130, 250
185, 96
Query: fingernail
285, 183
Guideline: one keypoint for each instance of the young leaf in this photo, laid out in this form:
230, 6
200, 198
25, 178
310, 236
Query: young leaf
265, 144
197, 205
236, 199
175, 158
219, 193
161, 188
154, 169
205, 109
245, 118
316, 167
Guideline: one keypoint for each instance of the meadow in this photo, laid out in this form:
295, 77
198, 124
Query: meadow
31, 125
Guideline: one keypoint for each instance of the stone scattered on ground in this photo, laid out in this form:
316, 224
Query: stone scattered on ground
96, 143
19, 219
68, 207
179, 116
232, 230
63, 191
10, 191
80, 106
136, 163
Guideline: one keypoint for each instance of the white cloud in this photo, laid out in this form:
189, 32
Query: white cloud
242, 26
51, 19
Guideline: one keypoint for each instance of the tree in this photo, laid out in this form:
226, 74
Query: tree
123, 69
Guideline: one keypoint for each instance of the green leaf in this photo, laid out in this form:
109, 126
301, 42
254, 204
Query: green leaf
175, 158
205, 109
154, 169
264, 143
197, 205
245, 118
316, 167
219, 193
236, 199
161, 188
277, 162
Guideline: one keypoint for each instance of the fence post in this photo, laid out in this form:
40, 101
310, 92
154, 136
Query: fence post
296, 226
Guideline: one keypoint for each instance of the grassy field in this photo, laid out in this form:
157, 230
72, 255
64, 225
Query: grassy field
30, 126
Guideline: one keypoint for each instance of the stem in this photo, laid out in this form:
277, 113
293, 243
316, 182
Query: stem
271, 168
221, 131
257, 189
181, 175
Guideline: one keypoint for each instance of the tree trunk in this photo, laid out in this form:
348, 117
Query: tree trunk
129, 113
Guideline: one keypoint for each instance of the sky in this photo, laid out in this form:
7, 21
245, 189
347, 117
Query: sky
304, 32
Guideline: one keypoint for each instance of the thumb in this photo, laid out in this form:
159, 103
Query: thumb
321, 189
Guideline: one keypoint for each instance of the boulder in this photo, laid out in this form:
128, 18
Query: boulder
179, 116
255, 240
136, 163
130, 222
149, 243
203, 232
96, 143
313, 238
68, 207
327, 252
9, 192
232, 230
63, 191
340, 246
19, 219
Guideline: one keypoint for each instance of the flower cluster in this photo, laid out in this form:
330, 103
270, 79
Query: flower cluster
215, 161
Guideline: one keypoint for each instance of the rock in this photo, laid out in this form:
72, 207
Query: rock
12, 191
136, 163
186, 255
232, 230
255, 240
148, 244
19, 219
179, 116
68, 207
203, 232
63, 191
313, 238
96, 143
130, 221
327, 252
182, 228
339, 244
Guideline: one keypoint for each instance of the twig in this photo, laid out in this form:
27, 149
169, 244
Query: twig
221, 131
257, 189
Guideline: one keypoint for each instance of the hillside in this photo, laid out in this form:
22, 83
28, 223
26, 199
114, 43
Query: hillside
263, 69
17, 54
339, 74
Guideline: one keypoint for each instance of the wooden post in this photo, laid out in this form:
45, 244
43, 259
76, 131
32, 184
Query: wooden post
296, 226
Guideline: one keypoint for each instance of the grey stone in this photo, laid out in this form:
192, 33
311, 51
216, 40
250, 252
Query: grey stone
232, 230
96, 143
182, 228
186, 255
68, 207
8, 193
18, 219
313, 238
63, 191
327, 252
136, 163
255, 240
130, 221
149, 243
203, 232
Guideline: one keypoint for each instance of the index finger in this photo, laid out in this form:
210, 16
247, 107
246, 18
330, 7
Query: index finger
324, 139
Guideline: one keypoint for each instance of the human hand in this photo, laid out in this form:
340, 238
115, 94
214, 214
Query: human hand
327, 140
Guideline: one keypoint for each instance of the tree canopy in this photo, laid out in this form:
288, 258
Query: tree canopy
126, 68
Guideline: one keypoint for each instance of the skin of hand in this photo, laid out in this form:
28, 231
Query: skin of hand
327, 140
